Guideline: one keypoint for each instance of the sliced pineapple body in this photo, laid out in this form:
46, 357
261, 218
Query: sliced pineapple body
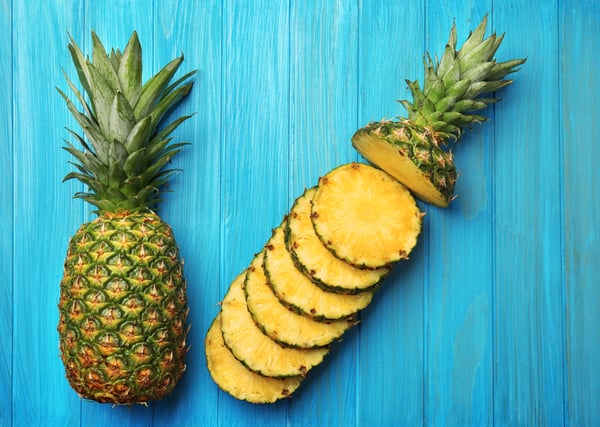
364, 216
253, 348
282, 324
317, 262
298, 292
237, 380
426, 170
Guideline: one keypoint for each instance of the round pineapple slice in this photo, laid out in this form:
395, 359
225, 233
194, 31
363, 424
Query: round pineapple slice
282, 324
317, 262
296, 291
364, 216
237, 380
254, 349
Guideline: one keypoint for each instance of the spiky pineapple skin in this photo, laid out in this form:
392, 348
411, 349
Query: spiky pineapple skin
123, 309
418, 144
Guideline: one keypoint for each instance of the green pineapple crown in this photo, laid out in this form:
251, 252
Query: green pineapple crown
124, 151
453, 85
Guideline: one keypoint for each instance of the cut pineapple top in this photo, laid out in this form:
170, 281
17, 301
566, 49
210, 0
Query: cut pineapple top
253, 348
364, 216
280, 323
298, 292
316, 261
236, 379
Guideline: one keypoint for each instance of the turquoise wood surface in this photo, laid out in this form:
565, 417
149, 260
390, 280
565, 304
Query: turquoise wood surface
493, 321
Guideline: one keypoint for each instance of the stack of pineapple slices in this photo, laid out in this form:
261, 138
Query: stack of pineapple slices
317, 271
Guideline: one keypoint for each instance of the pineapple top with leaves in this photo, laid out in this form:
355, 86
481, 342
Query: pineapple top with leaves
414, 148
123, 159
123, 304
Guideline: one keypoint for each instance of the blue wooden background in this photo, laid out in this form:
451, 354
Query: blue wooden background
495, 319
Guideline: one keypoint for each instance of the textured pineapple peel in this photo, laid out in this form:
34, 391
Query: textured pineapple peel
123, 305
412, 149
423, 167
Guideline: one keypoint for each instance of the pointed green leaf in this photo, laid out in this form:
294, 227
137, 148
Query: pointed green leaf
168, 102
502, 69
154, 88
80, 139
445, 103
80, 63
115, 59
130, 70
167, 130
134, 163
467, 105
458, 89
103, 65
102, 99
449, 55
478, 73
138, 136
78, 95
451, 75
474, 39
179, 81
477, 55
121, 119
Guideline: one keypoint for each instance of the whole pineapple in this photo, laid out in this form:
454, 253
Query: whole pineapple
413, 149
123, 304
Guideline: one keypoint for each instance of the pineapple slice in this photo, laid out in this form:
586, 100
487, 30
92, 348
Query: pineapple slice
364, 216
254, 349
317, 262
282, 324
234, 378
298, 292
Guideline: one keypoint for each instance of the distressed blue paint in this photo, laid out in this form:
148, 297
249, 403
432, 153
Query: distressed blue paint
493, 320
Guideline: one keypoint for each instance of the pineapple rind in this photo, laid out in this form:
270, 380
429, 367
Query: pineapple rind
123, 310
411, 155
365, 216
281, 324
297, 292
253, 348
317, 262
236, 379
123, 306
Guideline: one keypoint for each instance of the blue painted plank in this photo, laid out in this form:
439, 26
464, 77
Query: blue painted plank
489, 322
579, 21
44, 217
193, 208
254, 150
529, 317
322, 98
460, 259
6, 214
390, 375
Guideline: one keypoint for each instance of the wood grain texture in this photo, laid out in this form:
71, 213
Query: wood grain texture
529, 317
6, 214
492, 321
580, 182
43, 215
